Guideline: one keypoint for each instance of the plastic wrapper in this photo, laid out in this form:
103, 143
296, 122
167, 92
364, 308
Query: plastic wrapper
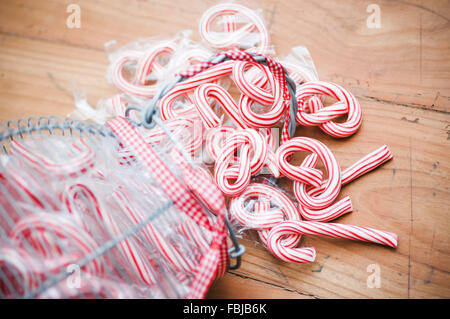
235, 25
265, 203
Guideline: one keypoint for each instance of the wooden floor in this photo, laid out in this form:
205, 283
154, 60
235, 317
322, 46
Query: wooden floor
400, 73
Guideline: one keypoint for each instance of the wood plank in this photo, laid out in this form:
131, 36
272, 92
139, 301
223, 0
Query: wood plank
396, 63
234, 286
36, 77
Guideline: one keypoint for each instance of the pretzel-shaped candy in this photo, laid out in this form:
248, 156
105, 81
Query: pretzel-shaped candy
322, 116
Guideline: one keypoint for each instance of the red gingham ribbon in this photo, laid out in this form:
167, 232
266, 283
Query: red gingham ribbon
274, 66
214, 263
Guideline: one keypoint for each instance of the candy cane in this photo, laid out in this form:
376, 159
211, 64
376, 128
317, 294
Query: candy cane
265, 196
252, 93
323, 118
145, 63
18, 277
122, 83
46, 232
234, 36
310, 176
202, 95
289, 254
22, 184
81, 159
151, 234
364, 165
262, 217
148, 62
167, 103
250, 140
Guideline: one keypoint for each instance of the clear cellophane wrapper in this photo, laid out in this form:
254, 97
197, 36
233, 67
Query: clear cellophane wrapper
236, 25
80, 217
262, 202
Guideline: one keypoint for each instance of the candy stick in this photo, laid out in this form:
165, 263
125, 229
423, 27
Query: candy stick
364, 165
17, 274
258, 93
262, 217
339, 208
215, 138
290, 254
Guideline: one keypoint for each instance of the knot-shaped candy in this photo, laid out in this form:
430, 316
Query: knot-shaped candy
270, 208
264, 89
252, 157
202, 96
307, 175
308, 96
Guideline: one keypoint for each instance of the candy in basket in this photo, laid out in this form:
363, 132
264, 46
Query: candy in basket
89, 211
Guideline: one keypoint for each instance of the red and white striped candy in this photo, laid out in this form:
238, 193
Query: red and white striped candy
190, 129
167, 103
265, 196
299, 255
262, 216
251, 92
81, 159
152, 235
146, 63
52, 236
337, 209
303, 175
323, 116
249, 141
233, 37
18, 275
202, 96
364, 165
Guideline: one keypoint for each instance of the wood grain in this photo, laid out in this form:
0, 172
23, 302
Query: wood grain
400, 74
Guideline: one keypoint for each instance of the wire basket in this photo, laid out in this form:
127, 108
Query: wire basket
83, 215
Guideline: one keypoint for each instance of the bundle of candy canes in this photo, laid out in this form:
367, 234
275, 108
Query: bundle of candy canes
240, 138
71, 204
